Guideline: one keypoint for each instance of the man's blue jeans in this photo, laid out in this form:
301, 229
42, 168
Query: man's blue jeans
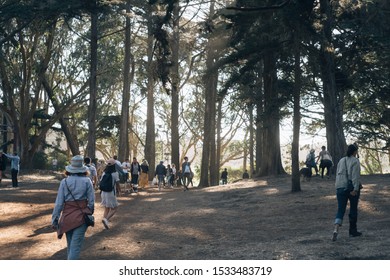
75, 239
342, 200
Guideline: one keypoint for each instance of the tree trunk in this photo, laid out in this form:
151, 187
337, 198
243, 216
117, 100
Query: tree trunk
259, 104
214, 167
150, 144
251, 142
209, 118
92, 108
333, 105
271, 163
296, 179
175, 140
218, 135
123, 149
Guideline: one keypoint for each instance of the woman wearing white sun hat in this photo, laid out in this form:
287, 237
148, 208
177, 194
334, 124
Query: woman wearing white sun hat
75, 197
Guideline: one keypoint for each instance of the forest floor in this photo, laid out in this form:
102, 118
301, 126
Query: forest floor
253, 219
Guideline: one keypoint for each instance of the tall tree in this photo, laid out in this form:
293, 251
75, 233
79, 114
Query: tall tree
150, 145
92, 108
333, 103
123, 149
210, 81
175, 140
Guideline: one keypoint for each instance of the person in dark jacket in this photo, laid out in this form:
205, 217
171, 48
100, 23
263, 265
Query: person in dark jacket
161, 172
224, 176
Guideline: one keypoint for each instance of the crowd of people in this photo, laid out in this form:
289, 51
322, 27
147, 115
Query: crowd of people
76, 194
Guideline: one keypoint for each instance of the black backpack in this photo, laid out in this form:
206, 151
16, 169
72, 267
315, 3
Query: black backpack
105, 183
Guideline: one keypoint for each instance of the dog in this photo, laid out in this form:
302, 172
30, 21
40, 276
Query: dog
305, 173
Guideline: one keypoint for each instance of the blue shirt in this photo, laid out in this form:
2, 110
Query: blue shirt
81, 188
15, 161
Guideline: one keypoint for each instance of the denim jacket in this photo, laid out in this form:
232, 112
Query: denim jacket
81, 188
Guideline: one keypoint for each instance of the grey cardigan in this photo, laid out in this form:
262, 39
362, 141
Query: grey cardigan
353, 165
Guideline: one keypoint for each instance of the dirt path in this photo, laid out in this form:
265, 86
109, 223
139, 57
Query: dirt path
246, 220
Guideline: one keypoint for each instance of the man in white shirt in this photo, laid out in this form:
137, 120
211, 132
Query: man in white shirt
126, 169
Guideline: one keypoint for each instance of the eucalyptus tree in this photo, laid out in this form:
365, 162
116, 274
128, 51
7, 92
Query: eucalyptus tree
28, 37
259, 37
363, 72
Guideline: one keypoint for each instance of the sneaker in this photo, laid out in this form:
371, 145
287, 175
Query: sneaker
105, 223
334, 236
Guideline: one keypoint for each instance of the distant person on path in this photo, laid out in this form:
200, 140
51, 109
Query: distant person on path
224, 176
245, 175
311, 161
109, 201
325, 161
92, 171
75, 196
161, 172
3, 164
126, 169
119, 169
179, 177
54, 163
15, 167
186, 169
144, 179
348, 168
135, 169
169, 176
174, 175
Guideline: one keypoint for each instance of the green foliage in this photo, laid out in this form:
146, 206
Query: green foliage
40, 160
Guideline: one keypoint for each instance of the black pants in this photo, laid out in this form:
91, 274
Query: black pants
14, 175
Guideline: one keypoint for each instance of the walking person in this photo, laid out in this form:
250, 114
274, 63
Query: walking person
92, 171
74, 198
224, 176
143, 178
311, 161
173, 175
126, 168
109, 201
15, 167
186, 169
161, 172
135, 169
325, 162
169, 176
348, 189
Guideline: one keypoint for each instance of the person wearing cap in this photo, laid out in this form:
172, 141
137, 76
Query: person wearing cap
348, 168
109, 201
74, 198
15, 167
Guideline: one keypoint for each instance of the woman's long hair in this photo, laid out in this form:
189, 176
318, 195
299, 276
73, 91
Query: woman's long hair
110, 168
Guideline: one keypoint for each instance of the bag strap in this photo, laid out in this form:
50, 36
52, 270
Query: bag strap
73, 197
346, 167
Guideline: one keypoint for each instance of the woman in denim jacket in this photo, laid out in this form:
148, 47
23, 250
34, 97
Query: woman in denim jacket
348, 168
75, 197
